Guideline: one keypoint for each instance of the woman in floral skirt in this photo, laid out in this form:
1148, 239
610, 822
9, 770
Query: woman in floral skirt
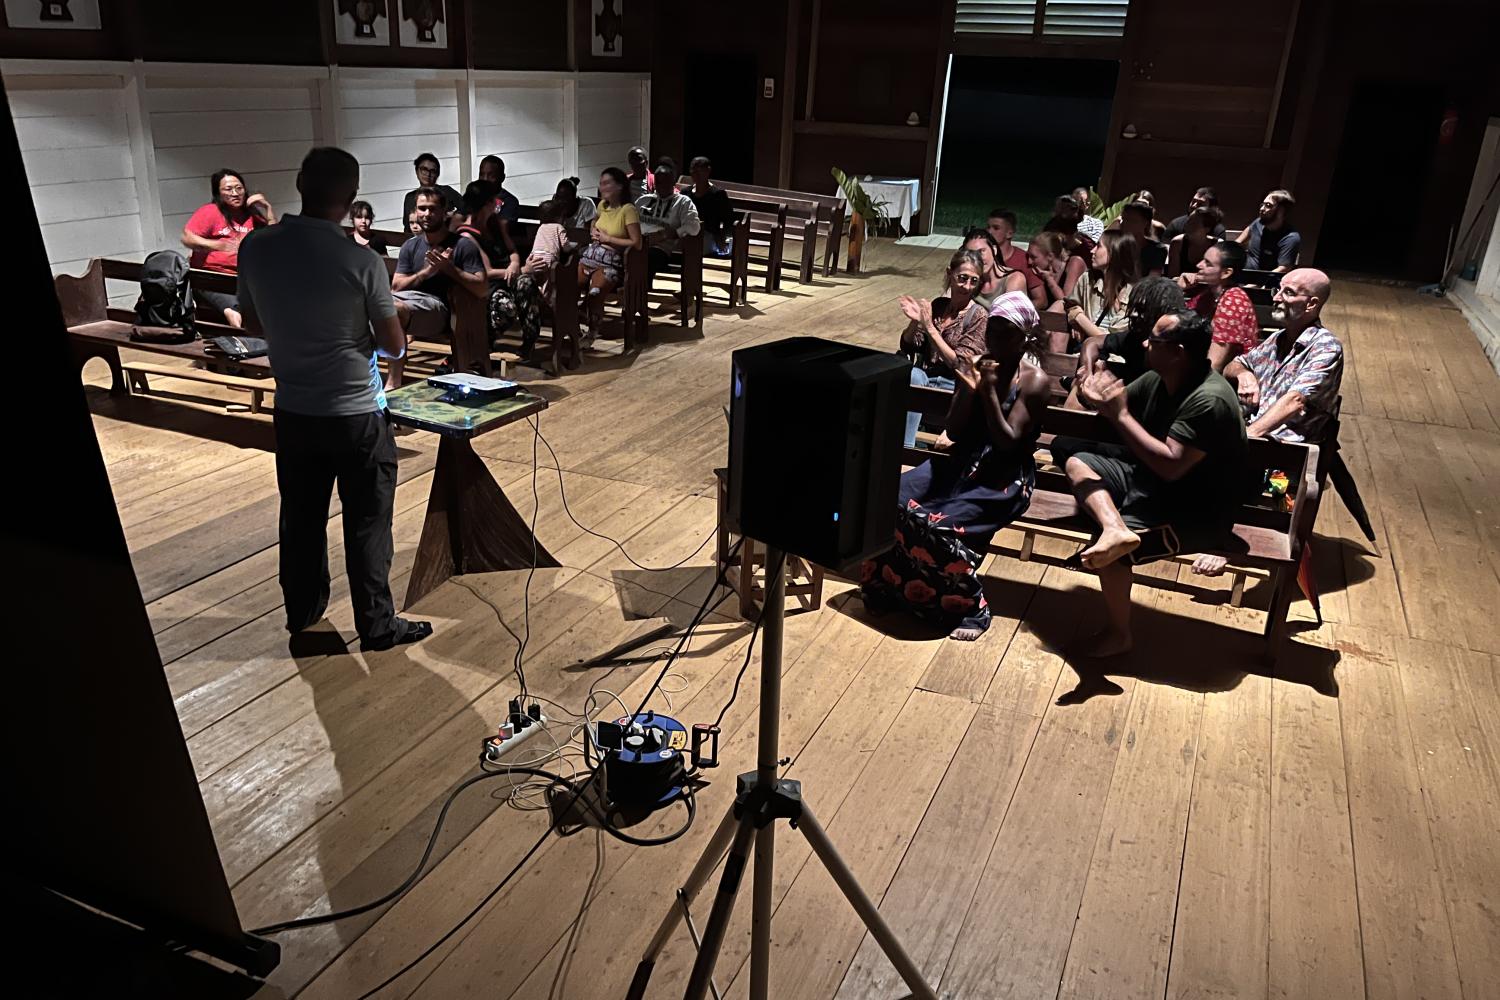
949, 509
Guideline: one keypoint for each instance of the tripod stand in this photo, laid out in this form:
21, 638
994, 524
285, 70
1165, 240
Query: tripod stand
763, 797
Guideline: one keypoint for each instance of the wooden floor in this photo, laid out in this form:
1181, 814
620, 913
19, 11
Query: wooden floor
1189, 826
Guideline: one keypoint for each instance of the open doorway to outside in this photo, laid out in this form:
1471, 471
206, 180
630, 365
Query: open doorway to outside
1018, 133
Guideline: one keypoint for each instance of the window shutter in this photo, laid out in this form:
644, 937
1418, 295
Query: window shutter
1084, 18
996, 17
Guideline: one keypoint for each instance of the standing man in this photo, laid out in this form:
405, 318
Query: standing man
1174, 482
1271, 242
428, 171
324, 305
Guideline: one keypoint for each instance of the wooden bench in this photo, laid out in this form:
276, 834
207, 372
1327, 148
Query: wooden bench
1267, 544
765, 228
97, 331
827, 216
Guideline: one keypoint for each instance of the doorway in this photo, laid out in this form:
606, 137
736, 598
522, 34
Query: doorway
718, 114
1019, 132
1390, 136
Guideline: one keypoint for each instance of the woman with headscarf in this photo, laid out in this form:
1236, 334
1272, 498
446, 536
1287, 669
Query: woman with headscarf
949, 509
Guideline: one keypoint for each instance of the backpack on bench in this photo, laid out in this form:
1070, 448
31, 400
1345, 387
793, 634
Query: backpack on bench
164, 312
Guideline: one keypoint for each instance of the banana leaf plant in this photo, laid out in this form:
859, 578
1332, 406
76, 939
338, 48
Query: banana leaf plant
865, 211
1108, 214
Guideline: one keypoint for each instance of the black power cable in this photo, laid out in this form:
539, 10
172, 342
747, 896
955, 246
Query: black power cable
703, 611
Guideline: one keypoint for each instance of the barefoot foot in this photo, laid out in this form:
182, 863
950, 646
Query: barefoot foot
1207, 565
966, 634
1106, 643
1111, 546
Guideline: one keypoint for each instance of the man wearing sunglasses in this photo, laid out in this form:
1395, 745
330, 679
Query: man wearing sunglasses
1175, 481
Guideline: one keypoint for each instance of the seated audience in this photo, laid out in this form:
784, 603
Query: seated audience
428, 170
1150, 300
1174, 483
1215, 295
361, 219
949, 509
575, 211
1116, 270
413, 225
214, 232
1089, 225
1290, 381
1158, 228
1196, 238
666, 215
1271, 243
513, 293
551, 240
641, 179
943, 331
997, 278
1060, 271
1002, 226
504, 226
602, 267
1204, 197
715, 213
431, 265
1136, 219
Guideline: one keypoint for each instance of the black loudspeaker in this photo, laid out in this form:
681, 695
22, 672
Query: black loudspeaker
815, 432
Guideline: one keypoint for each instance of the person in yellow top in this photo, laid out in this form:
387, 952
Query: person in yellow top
602, 266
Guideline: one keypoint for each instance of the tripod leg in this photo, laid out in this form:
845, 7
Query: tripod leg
718, 917
817, 838
760, 914
707, 862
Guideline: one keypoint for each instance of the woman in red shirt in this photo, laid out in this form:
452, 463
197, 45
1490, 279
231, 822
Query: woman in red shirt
214, 232
1214, 292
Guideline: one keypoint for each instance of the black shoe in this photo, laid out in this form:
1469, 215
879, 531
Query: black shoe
415, 632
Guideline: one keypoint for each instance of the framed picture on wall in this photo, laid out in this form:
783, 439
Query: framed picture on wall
423, 24
79, 15
362, 22
605, 28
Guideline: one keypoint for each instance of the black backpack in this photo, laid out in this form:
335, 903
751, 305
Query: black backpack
166, 301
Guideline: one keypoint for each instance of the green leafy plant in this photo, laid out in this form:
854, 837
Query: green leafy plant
1108, 214
871, 211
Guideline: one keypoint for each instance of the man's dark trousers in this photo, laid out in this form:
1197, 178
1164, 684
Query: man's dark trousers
359, 453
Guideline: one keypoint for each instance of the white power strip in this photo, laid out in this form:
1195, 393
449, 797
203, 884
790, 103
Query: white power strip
499, 754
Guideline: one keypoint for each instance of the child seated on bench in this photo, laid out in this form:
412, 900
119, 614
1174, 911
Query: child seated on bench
551, 237
950, 508
1174, 483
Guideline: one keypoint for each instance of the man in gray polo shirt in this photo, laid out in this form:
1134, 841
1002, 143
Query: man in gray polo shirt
324, 305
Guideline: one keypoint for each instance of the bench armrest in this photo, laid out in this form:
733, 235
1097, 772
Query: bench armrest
1305, 509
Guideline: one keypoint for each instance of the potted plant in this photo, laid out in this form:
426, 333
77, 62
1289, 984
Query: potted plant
863, 210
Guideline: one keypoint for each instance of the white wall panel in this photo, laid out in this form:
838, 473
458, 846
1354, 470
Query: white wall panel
610, 121
386, 125
75, 146
524, 125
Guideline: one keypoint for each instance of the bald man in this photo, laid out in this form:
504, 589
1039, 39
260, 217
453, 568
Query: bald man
1289, 382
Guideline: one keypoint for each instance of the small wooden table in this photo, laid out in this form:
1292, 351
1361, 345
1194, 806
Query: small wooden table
470, 527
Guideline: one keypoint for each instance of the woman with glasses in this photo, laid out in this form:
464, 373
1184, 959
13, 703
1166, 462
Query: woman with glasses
214, 232
944, 330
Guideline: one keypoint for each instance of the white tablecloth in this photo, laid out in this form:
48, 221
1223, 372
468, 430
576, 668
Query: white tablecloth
902, 196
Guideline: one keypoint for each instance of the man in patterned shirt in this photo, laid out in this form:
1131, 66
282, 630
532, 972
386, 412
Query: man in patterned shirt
1289, 383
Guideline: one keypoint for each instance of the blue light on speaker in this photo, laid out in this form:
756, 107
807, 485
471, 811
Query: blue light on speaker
738, 385
835, 515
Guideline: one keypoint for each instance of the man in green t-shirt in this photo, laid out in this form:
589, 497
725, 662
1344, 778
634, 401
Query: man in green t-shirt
1177, 480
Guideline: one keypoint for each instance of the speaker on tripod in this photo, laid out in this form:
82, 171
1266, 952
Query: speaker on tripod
815, 434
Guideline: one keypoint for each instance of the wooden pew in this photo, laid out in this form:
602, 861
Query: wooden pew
827, 218
766, 223
631, 294
1267, 542
97, 331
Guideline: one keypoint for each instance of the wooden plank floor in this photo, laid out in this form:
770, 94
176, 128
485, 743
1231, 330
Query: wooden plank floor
1189, 825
